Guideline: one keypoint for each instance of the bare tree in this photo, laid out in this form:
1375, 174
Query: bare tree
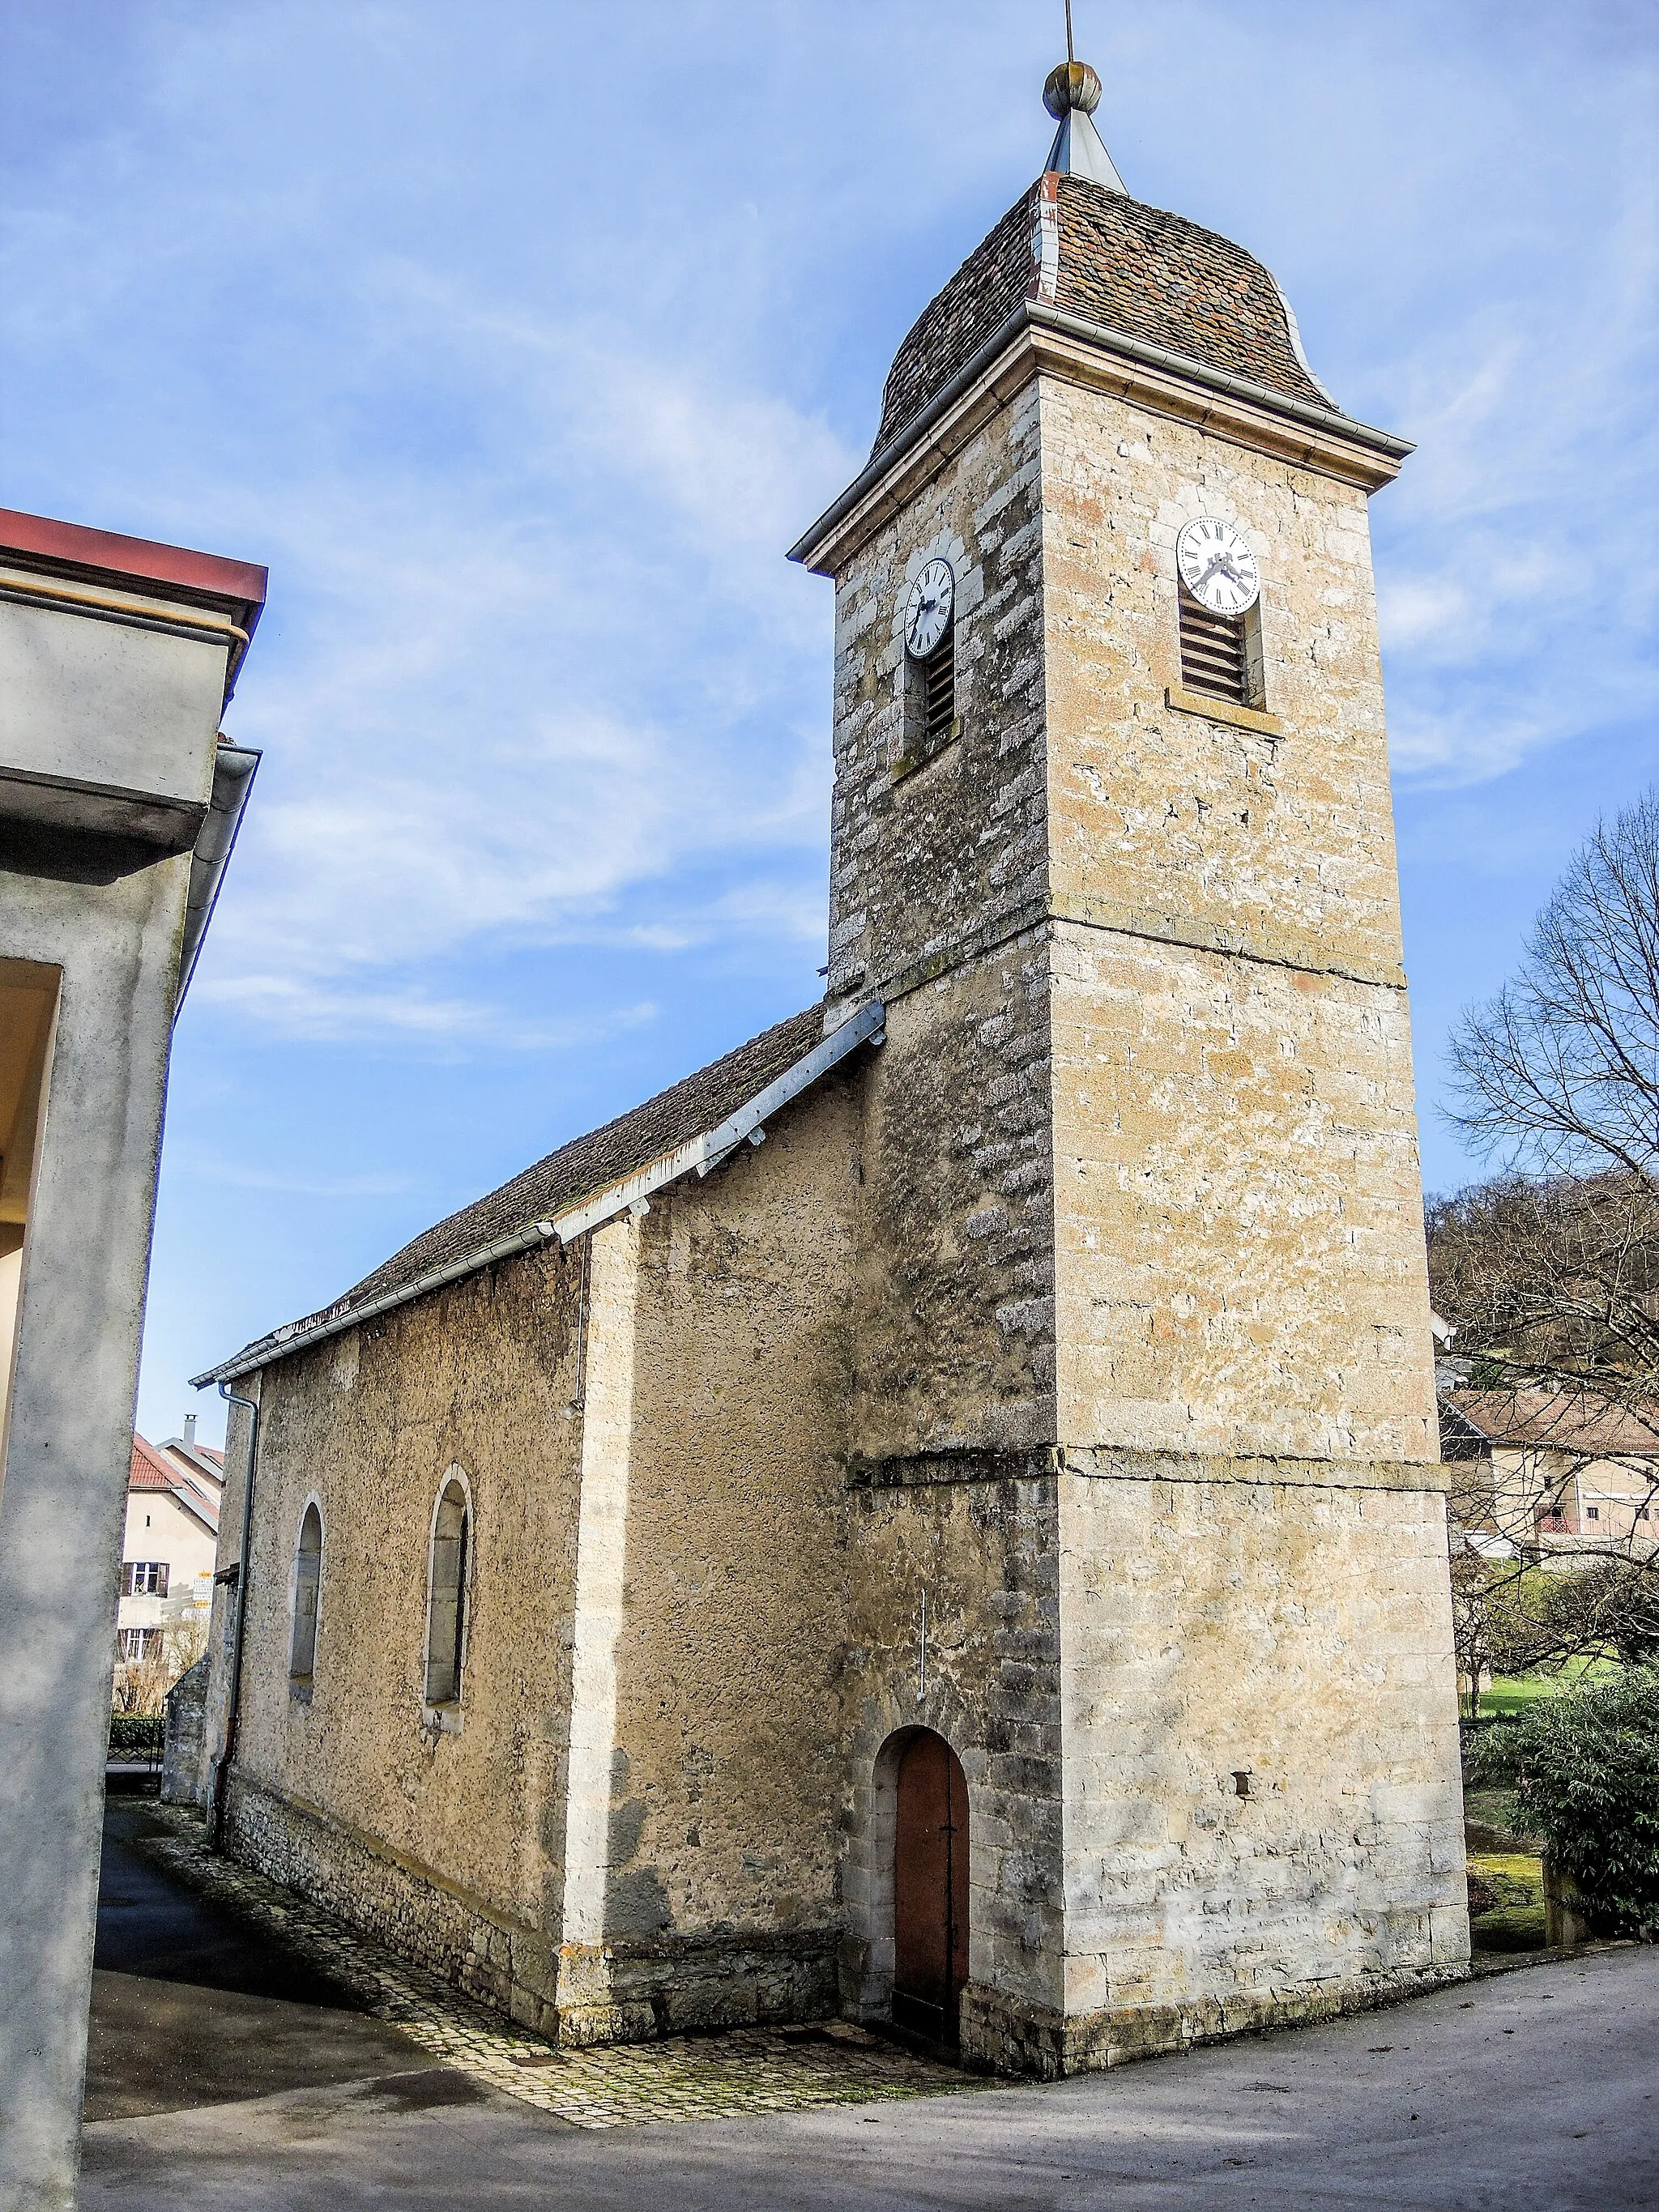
1560, 1072
141, 1685
1550, 1271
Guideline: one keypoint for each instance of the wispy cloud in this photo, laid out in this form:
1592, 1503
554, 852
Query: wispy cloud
522, 404
234, 1175
508, 730
294, 1006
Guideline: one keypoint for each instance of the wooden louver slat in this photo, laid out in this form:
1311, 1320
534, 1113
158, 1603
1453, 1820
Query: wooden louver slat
939, 692
1213, 655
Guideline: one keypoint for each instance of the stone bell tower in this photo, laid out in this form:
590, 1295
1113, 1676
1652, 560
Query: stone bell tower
1142, 1401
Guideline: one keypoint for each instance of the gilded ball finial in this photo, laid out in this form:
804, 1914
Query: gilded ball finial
1072, 84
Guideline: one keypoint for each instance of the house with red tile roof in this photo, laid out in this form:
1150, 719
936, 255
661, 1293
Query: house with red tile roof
172, 1532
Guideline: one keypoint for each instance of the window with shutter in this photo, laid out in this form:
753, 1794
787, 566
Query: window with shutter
939, 692
930, 702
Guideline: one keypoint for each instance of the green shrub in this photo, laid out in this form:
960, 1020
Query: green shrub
136, 1735
1587, 1781
1491, 1750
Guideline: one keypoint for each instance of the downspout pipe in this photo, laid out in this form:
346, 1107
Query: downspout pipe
221, 1771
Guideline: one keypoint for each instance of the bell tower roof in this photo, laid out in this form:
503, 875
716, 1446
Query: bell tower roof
1077, 243
1083, 277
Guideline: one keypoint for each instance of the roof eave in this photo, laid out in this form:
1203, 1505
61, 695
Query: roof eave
699, 1154
1377, 454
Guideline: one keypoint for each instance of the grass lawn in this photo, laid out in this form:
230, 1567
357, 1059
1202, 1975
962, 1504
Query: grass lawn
1514, 1693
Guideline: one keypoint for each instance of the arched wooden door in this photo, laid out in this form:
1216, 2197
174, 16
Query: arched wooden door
930, 1889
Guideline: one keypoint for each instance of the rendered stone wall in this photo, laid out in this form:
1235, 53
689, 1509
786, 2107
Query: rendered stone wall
720, 1900
481, 1377
1192, 828
921, 860
181, 1756
955, 1307
985, 1554
1240, 1261
938, 876
472, 1941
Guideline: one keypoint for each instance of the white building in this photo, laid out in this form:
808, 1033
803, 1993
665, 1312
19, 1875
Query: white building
172, 1530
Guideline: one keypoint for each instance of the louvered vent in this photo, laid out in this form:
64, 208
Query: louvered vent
1213, 655
935, 699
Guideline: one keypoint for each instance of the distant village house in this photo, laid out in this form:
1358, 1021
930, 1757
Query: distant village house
171, 1534
1560, 1477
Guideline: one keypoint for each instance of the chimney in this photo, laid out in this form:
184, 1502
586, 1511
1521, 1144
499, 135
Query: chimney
190, 1432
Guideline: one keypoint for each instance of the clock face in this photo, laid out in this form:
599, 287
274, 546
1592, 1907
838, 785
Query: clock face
927, 610
1217, 566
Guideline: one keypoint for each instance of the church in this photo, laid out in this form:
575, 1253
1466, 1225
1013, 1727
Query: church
937, 1518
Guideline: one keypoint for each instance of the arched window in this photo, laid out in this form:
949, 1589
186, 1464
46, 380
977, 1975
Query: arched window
445, 1612
307, 1579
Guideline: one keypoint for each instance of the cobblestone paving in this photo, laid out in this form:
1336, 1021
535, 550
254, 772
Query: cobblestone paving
690, 2077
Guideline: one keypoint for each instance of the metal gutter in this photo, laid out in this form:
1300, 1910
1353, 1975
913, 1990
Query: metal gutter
239, 1635
1328, 419
234, 767
700, 1155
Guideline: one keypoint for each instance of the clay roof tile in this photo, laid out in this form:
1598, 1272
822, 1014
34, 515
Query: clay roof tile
1129, 268
586, 1166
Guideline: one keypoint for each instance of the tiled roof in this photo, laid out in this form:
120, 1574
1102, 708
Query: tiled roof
150, 1471
198, 1463
1557, 1420
951, 329
586, 1165
1133, 269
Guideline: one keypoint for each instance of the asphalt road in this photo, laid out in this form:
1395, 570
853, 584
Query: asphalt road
230, 2080
188, 2010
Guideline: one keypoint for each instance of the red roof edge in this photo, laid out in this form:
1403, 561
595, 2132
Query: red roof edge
146, 1461
171, 570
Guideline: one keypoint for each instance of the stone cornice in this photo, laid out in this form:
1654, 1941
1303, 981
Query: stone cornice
1036, 339
1120, 920
1120, 1463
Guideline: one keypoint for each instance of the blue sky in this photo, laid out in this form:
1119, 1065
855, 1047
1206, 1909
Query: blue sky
520, 339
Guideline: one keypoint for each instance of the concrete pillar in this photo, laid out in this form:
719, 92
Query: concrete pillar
113, 667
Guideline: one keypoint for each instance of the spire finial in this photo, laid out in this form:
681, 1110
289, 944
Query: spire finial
1071, 94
